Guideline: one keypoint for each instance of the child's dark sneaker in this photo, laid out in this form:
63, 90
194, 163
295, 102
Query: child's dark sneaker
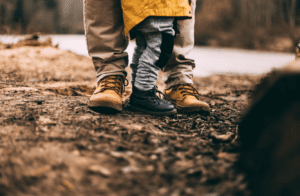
148, 102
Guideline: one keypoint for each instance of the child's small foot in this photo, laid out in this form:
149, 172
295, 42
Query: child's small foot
148, 102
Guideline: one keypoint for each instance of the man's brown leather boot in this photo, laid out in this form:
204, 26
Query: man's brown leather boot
108, 94
185, 98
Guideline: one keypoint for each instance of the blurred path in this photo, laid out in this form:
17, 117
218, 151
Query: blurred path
208, 60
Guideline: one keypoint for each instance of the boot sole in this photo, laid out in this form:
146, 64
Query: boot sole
168, 113
191, 109
104, 106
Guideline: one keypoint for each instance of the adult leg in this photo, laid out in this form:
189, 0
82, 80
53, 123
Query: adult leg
106, 44
179, 69
104, 35
178, 73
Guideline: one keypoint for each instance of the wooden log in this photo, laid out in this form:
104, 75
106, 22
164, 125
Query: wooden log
270, 135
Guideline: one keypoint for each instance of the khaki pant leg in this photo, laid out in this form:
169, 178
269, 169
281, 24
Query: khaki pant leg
104, 35
179, 69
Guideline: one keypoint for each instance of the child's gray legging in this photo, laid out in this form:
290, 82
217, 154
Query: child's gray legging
154, 46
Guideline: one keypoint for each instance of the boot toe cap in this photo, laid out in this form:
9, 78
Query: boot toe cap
193, 105
106, 100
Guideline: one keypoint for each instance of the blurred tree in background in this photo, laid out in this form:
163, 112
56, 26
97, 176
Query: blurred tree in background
233, 23
269, 12
259, 12
255, 24
46, 16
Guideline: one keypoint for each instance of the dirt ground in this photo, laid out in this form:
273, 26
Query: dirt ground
53, 144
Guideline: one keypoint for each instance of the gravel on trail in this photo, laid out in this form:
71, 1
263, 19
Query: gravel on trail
53, 144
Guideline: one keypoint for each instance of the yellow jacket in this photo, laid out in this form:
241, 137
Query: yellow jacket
135, 11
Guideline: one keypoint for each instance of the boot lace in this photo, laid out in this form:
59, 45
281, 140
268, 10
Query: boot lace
116, 83
187, 89
160, 93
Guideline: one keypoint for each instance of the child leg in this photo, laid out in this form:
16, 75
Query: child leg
159, 35
138, 51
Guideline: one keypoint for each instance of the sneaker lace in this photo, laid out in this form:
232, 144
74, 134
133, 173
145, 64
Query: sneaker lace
187, 89
113, 83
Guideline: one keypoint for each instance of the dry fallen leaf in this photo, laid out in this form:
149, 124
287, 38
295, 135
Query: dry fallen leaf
45, 121
68, 185
228, 156
100, 170
223, 138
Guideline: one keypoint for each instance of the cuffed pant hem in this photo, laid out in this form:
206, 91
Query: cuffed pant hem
178, 80
112, 73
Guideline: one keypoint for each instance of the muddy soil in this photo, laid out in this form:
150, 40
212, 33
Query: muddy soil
53, 144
